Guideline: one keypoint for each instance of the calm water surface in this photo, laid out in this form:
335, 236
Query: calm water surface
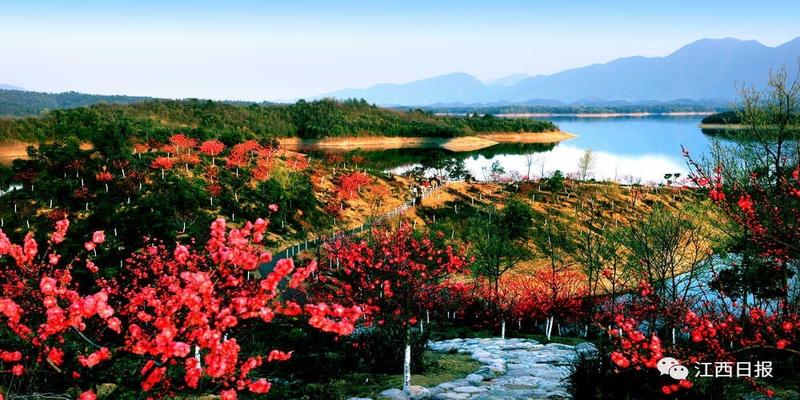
626, 148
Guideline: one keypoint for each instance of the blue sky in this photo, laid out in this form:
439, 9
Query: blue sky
259, 50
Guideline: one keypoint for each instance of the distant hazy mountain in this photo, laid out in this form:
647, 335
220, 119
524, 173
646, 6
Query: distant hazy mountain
441, 89
508, 80
705, 69
9, 87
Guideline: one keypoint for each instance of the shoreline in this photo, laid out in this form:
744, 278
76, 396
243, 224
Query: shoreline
721, 126
608, 115
457, 144
11, 150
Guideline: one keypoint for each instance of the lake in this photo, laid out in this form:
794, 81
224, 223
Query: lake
627, 149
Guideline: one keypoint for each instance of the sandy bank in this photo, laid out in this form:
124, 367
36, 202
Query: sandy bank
11, 150
542, 137
721, 126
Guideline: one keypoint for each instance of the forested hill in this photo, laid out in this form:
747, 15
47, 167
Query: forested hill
231, 122
18, 103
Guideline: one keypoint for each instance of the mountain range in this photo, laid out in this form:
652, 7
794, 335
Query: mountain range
705, 70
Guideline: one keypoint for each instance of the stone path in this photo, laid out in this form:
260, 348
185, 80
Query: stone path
512, 369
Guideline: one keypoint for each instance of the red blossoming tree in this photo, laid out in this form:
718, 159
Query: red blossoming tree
43, 310
349, 185
212, 148
162, 163
176, 309
389, 275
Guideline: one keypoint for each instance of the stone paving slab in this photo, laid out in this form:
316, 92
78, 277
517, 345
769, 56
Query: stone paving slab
513, 369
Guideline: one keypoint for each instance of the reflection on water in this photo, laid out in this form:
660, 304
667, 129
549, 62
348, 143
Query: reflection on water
403, 159
627, 149
607, 166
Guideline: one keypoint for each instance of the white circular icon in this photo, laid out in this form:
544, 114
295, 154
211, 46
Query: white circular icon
665, 364
678, 372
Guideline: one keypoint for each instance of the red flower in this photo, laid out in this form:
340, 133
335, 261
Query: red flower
717, 195
153, 378
620, 360
192, 372
47, 285
277, 355
61, 231
10, 356
181, 253
114, 324
95, 358
259, 386
87, 395
99, 237
55, 356
745, 203
229, 394
91, 267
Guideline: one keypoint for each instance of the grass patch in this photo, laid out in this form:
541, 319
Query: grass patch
441, 367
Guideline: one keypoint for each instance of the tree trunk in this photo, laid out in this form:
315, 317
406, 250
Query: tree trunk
407, 366
503, 330
550, 322
673, 336
197, 357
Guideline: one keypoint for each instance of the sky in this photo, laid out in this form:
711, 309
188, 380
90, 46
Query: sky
282, 50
